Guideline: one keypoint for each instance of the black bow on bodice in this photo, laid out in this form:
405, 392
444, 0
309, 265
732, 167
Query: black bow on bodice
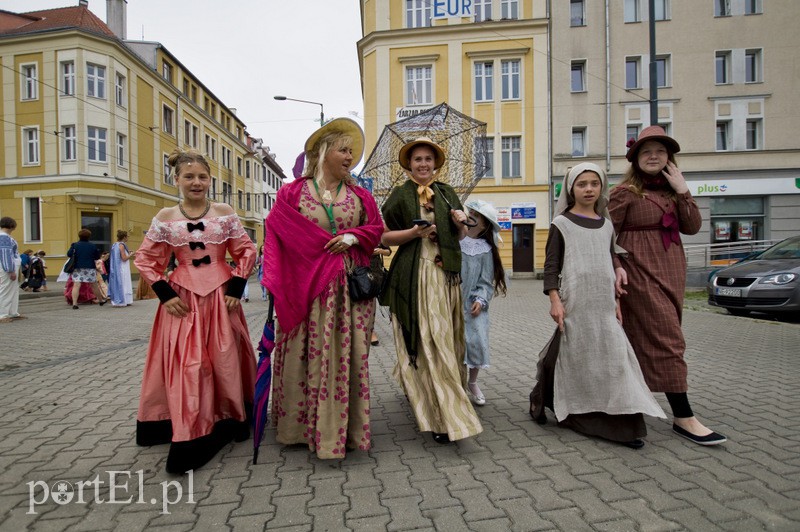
204, 260
195, 245
191, 227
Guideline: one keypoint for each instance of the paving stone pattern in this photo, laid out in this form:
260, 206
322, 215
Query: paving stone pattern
69, 386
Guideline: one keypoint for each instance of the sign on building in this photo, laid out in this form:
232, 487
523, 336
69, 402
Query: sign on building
504, 218
451, 8
523, 211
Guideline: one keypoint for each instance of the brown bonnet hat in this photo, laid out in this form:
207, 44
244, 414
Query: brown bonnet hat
656, 133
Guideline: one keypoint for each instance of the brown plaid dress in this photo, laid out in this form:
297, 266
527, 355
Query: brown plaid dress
652, 309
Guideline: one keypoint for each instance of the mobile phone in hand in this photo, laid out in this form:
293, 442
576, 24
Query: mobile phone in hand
420, 221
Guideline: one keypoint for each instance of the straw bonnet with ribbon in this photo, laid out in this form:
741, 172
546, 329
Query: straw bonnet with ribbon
488, 211
656, 133
404, 158
344, 126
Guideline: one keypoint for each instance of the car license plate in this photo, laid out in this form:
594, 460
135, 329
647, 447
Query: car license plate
730, 292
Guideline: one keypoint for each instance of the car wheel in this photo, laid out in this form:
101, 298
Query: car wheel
738, 311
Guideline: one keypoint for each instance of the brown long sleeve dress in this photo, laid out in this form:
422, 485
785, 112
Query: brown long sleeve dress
653, 308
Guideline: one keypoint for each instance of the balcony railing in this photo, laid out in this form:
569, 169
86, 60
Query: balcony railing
709, 256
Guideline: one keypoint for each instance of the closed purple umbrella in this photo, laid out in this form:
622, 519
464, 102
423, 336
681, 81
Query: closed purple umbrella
263, 379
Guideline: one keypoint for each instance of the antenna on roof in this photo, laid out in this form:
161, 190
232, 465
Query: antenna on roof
142, 31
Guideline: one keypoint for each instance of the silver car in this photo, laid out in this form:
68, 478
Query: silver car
768, 281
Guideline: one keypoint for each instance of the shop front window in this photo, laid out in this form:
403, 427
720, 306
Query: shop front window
737, 219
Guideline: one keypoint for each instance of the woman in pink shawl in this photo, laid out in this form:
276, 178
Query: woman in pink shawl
320, 227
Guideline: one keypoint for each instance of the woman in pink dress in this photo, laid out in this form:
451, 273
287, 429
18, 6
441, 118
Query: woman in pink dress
199, 376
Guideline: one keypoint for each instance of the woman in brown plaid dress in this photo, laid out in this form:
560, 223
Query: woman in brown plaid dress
650, 208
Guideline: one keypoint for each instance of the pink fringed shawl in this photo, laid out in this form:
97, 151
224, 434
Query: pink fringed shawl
297, 268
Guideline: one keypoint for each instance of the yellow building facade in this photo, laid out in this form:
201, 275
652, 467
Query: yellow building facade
489, 61
88, 120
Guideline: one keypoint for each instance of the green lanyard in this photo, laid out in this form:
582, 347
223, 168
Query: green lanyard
329, 208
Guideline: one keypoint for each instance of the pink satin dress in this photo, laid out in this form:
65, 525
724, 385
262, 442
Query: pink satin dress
200, 369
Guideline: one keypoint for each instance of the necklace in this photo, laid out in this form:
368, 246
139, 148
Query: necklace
183, 212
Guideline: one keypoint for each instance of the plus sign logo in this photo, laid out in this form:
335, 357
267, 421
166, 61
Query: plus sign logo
62, 492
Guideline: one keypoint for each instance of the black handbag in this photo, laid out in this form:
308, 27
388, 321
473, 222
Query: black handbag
69, 266
366, 282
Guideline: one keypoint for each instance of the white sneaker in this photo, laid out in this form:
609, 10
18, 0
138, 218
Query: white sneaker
475, 394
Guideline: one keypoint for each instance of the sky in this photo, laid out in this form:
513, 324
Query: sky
247, 51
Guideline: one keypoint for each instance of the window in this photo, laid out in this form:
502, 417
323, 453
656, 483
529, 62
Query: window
511, 156
509, 9
68, 78
96, 142
579, 142
214, 188
239, 165
483, 10
121, 141
226, 157
95, 80
418, 13
723, 68
663, 78
240, 198
190, 132
632, 132
753, 134
185, 87
30, 82
247, 170
119, 90
238, 133
214, 111
248, 205
166, 71
30, 146
752, 66
488, 142
752, 7
723, 135
167, 119
226, 193
510, 79
70, 143
211, 147
662, 10
167, 171
484, 75
578, 80
576, 13
632, 11
419, 85
34, 219
722, 8
632, 69
194, 94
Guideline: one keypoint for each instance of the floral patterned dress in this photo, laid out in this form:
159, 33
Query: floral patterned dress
320, 377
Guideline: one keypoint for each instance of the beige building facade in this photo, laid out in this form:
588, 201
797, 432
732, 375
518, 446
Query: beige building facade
487, 60
726, 77
89, 119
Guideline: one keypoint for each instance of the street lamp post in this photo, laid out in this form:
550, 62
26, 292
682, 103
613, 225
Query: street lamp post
321, 109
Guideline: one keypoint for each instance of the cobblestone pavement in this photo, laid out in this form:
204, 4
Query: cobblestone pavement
69, 385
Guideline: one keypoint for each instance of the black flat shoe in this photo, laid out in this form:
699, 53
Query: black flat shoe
375, 342
75, 307
441, 437
709, 439
541, 419
634, 444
